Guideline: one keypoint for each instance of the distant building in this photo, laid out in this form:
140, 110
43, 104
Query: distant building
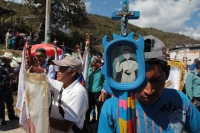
191, 51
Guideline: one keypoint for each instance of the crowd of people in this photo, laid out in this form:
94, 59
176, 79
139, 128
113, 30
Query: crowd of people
158, 109
16, 40
192, 81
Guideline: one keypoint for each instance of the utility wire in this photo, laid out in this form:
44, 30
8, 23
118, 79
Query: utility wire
178, 25
183, 16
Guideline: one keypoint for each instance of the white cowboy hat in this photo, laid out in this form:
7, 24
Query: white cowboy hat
7, 55
18, 60
14, 64
67, 54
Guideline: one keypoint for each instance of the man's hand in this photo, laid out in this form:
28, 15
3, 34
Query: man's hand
196, 103
28, 46
128, 71
27, 62
103, 96
15, 81
35, 67
12, 75
35, 62
116, 60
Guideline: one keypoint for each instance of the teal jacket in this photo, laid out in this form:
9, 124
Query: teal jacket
192, 85
95, 81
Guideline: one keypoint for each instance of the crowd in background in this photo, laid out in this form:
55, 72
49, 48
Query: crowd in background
16, 40
192, 82
90, 103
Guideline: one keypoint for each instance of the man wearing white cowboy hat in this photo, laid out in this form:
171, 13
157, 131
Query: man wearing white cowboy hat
6, 82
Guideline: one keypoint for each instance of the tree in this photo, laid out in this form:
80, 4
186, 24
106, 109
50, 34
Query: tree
64, 13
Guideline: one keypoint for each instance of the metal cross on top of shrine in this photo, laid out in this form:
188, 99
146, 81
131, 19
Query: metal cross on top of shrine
124, 15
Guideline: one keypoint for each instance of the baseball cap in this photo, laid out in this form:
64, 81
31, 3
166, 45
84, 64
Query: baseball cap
71, 61
154, 48
94, 58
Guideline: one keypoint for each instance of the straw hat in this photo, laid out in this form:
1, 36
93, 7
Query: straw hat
7, 55
14, 64
18, 60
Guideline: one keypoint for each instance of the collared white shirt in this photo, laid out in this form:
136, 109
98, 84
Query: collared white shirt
74, 103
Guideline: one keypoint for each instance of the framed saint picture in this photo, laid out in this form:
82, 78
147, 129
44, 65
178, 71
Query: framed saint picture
124, 63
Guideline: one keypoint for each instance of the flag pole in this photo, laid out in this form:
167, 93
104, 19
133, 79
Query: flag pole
47, 21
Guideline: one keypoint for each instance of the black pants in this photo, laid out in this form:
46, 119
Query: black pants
6, 97
94, 100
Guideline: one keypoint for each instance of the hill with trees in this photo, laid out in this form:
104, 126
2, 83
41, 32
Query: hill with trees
101, 26
96, 24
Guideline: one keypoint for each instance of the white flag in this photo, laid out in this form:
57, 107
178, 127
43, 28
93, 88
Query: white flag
21, 94
37, 102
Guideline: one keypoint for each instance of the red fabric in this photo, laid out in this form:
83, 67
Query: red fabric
48, 47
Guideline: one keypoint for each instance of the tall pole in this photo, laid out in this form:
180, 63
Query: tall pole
47, 21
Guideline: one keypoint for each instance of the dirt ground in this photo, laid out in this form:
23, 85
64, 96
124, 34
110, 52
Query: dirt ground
13, 127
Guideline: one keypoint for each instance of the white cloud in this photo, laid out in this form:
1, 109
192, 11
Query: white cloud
104, 2
166, 15
191, 32
88, 7
199, 15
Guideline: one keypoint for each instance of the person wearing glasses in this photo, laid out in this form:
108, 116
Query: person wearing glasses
70, 99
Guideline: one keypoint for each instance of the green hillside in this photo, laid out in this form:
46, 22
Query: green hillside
99, 26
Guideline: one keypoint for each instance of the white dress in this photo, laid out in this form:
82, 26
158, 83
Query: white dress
127, 65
